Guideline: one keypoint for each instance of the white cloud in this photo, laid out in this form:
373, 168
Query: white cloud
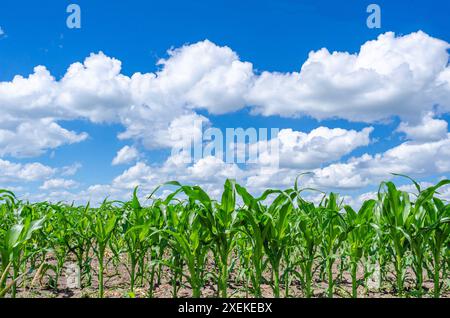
2, 32
391, 76
95, 89
405, 76
313, 149
310, 150
32, 138
59, 184
125, 155
138, 175
209, 172
17, 172
220, 80
429, 129
212, 169
417, 159
410, 158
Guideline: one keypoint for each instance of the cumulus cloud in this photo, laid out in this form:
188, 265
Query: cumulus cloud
138, 175
125, 155
428, 129
59, 184
17, 172
417, 159
212, 168
410, 158
310, 150
209, 172
390, 76
405, 76
206, 76
30, 139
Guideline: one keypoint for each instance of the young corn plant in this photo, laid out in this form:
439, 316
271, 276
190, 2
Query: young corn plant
360, 237
221, 221
103, 223
203, 241
438, 218
81, 240
395, 208
308, 239
12, 248
191, 243
158, 244
416, 229
277, 237
253, 216
173, 215
57, 235
335, 231
136, 234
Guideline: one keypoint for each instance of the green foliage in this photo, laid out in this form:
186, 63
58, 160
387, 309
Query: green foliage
237, 243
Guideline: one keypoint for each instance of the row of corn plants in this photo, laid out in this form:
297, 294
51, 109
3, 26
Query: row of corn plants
238, 244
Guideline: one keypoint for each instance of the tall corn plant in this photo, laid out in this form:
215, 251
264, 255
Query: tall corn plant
191, 243
221, 221
335, 231
136, 234
103, 223
308, 237
417, 227
253, 217
438, 229
268, 231
360, 237
15, 241
277, 237
81, 240
394, 209
57, 235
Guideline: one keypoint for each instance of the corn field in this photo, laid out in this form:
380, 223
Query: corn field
275, 245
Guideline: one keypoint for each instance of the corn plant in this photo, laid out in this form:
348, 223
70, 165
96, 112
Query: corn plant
335, 231
395, 209
80, 240
359, 238
253, 217
57, 236
220, 220
276, 235
135, 230
190, 242
438, 230
308, 240
103, 223
13, 244
239, 242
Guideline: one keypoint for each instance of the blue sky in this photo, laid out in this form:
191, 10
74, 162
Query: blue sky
276, 37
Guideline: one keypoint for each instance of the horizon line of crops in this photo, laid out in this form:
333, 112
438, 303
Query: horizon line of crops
278, 242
